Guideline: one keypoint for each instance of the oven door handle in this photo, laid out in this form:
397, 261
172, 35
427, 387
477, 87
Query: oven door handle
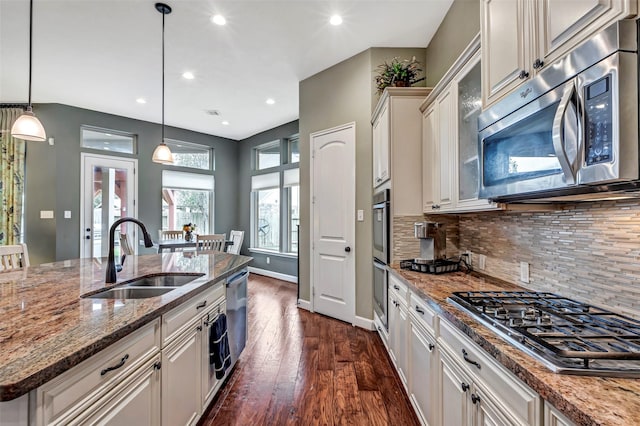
563, 136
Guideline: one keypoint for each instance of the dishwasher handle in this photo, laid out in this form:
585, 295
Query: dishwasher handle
237, 278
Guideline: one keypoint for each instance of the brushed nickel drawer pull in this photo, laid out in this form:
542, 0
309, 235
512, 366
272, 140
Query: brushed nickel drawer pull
465, 355
115, 367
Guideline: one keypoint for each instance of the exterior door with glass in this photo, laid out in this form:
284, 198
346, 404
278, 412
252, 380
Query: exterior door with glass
108, 193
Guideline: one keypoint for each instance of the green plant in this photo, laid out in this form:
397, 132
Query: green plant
398, 73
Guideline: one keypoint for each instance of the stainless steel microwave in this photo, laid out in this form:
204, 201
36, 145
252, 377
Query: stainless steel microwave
570, 131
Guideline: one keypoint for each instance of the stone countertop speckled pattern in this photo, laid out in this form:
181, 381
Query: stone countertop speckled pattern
46, 327
584, 400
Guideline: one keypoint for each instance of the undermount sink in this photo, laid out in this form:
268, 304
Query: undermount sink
146, 286
131, 293
162, 280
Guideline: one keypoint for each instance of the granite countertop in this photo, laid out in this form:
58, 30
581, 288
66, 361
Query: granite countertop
46, 327
584, 400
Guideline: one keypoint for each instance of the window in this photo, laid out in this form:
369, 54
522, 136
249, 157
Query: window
107, 140
266, 190
294, 150
187, 198
267, 155
191, 155
276, 197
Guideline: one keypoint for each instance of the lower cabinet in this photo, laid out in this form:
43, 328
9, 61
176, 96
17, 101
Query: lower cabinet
423, 364
135, 401
398, 327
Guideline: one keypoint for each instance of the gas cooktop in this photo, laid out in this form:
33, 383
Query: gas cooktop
567, 336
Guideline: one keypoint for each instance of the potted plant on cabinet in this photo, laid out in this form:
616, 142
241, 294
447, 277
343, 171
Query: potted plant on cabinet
398, 73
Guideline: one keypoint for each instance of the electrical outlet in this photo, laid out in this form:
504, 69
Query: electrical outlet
482, 262
268, 260
524, 272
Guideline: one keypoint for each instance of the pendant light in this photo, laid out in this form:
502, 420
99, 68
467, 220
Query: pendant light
162, 154
27, 126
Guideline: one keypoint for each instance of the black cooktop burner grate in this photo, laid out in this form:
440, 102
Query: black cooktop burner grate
563, 331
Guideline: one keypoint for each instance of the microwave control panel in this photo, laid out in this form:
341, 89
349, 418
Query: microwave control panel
598, 121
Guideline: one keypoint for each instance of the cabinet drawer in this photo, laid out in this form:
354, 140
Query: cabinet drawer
396, 284
420, 310
74, 390
179, 317
522, 401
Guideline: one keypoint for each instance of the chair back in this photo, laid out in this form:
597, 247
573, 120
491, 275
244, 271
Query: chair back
13, 257
170, 235
236, 237
210, 242
125, 246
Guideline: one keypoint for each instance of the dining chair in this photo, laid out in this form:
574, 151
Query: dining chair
170, 235
125, 246
236, 238
13, 257
210, 242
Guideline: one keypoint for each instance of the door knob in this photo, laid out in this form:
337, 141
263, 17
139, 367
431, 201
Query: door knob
88, 237
347, 249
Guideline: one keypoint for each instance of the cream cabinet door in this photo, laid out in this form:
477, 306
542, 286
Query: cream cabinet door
422, 374
381, 147
402, 355
445, 149
562, 24
486, 411
135, 402
181, 376
454, 402
506, 27
429, 158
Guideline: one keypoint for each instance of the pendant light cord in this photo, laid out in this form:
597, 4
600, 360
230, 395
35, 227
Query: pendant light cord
30, 46
162, 141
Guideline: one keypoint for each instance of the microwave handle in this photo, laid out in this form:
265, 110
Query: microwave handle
558, 133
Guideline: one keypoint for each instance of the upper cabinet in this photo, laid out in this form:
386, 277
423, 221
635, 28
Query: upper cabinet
451, 170
521, 37
397, 147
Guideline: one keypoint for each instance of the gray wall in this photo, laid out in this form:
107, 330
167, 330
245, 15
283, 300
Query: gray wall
335, 96
280, 264
459, 27
53, 178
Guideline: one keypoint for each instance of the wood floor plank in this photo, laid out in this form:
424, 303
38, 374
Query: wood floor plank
301, 368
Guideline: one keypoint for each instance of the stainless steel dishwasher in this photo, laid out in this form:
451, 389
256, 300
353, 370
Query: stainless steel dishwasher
237, 313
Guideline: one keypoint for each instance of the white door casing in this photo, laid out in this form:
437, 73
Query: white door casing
96, 244
333, 222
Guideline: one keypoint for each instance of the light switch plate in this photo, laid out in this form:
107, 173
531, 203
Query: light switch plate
524, 272
67, 214
46, 214
360, 215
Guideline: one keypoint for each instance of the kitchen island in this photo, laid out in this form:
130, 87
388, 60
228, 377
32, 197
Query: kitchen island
47, 327
585, 400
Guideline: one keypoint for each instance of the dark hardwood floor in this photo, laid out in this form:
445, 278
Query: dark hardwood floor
300, 368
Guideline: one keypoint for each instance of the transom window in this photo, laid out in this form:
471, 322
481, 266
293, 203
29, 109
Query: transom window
107, 140
186, 154
267, 155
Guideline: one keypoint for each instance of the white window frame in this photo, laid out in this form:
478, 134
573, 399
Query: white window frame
190, 181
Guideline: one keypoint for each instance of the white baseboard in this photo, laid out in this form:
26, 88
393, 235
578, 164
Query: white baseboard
278, 275
304, 304
365, 323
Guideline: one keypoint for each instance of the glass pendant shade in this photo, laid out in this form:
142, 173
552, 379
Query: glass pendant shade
162, 154
28, 127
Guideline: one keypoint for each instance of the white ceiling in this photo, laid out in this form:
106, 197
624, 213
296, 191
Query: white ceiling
103, 54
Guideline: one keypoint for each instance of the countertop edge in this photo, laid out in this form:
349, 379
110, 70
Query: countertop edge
15, 390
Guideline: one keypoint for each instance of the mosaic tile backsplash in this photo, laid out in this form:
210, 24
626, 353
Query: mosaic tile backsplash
587, 251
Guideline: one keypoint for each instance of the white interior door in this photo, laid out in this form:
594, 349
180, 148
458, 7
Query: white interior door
332, 218
108, 192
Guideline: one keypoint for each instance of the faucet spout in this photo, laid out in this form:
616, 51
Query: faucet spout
111, 263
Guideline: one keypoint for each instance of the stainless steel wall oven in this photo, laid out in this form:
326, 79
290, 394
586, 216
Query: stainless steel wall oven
381, 253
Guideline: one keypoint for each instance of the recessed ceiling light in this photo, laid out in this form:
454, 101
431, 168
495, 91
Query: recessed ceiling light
141, 101
225, 123
218, 20
270, 101
188, 75
335, 20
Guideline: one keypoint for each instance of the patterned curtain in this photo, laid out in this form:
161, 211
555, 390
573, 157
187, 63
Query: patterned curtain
12, 162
